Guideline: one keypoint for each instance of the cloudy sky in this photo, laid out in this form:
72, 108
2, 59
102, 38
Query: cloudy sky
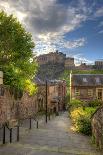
74, 27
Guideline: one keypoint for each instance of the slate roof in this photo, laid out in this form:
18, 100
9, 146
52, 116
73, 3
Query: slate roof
38, 81
87, 79
50, 82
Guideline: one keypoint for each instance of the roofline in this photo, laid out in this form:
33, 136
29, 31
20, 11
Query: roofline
87, 74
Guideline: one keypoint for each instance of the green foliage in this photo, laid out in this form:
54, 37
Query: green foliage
82, 119
16, 54
84, 125
76, 103
94, 103
65, 76
90, 110
87, 71
81, 113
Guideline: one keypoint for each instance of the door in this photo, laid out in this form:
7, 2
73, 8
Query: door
100, 94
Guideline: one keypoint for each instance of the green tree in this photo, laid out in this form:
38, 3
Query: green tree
66, 76
16, 54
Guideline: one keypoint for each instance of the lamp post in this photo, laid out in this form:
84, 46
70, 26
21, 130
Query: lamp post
46, 105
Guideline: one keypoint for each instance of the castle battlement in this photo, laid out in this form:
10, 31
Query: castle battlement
56, 57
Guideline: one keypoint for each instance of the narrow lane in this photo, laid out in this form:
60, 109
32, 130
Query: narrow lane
53, 138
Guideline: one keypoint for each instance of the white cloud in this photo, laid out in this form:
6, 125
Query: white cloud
49, 21
75, 44
99, 12
100, 32
79, 58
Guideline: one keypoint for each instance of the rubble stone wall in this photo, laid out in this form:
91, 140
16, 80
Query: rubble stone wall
97, 127
13, 109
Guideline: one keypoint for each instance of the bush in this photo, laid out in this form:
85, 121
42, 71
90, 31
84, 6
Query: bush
76, 103
82, 119
94, 103
90, 111
84, 125
81, 112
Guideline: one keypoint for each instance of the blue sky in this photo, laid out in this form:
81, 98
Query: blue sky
74, 27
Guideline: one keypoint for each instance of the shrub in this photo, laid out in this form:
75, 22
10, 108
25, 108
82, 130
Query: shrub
82, 119
76, 103
90, 110
84, 125
94, 103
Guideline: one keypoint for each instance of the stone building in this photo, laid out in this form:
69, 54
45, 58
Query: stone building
84, 66
56, 95
98, 64
41, 94
56, 92
56, 57
69, 63
86, 86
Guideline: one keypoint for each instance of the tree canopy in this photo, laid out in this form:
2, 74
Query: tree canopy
16, 54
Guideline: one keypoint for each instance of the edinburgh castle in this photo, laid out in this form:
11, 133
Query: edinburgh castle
56, 58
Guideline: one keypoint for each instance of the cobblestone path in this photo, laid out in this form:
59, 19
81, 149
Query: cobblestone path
53, 138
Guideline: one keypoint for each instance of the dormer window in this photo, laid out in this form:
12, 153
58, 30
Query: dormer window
84, 80
97, 80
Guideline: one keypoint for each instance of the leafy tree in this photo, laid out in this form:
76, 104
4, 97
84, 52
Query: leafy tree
16, 53
66, 76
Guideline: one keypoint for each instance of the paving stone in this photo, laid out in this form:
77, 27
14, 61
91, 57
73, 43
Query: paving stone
53, 138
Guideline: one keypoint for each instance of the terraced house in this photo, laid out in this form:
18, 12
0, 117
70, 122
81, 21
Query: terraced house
86, 86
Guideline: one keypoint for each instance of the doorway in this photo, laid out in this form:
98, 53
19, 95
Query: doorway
100, 94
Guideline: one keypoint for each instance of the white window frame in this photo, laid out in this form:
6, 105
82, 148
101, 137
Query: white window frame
90, 92
77, 91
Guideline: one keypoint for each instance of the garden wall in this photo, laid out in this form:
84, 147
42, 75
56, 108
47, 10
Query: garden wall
97, 127
14, 107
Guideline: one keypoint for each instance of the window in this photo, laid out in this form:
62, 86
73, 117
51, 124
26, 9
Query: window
77, 92
90, 92
84, 80
97, 80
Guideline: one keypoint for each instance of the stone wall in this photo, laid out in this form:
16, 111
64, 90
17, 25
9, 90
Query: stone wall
97, 127
12, 108
27, 106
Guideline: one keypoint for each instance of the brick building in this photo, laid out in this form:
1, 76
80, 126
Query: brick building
86, 86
